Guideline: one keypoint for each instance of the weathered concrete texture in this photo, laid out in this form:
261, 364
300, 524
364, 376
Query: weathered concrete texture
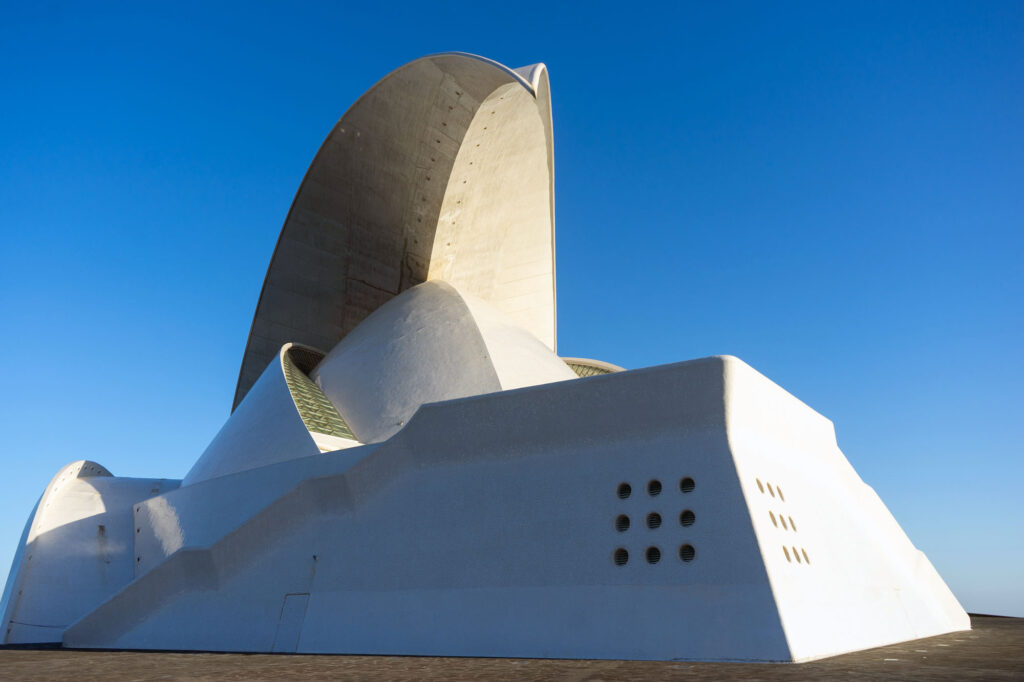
993, 650
443, 170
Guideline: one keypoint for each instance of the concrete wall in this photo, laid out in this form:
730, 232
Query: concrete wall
77, 551
491, 526
845, 575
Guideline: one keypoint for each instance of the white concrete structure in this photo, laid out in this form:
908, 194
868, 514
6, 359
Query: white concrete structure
438, 481
443, 170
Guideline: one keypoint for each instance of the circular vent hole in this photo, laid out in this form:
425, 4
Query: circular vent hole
621, 557
687, 552
653, 555
624, 491
687, 518
653, 520
654, 488
687, 485
622, 523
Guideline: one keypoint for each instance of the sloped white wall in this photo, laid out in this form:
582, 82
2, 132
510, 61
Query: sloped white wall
487, 527
265, 428
844, 574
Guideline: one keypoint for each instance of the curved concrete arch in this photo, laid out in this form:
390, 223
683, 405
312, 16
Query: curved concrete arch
442, 170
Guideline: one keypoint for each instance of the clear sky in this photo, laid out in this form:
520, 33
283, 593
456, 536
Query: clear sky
833, 192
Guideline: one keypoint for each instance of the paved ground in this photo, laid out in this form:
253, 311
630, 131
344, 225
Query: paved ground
994, 650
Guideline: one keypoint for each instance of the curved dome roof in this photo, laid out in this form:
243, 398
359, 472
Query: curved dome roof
429, 344
442, 170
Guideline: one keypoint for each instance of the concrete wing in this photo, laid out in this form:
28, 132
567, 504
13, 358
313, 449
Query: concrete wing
442, 170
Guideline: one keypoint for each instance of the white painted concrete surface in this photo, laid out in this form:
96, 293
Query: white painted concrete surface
488, 527
265, 428
76, 551
428, 344
488, 502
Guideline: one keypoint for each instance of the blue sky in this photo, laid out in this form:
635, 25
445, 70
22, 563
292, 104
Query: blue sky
833, 192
